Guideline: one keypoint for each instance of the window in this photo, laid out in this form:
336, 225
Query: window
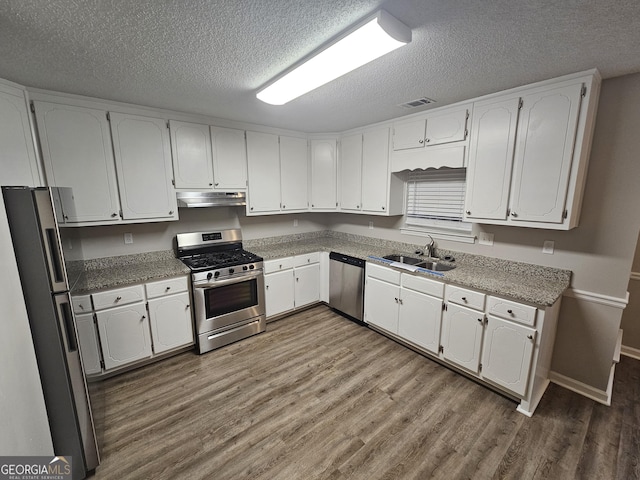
435, 198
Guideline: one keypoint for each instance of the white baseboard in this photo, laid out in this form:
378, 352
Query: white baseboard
600, 396
630, 352
593, 297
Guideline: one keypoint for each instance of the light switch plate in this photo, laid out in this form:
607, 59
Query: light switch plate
485, 238
547, 247
128, 238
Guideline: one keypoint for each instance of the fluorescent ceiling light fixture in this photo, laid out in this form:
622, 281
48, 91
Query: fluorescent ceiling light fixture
369, 39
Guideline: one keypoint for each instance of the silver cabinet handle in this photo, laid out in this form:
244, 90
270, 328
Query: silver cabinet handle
480, 320
427, 140
143, 317
216, 184
420, 141
510, 312
514, 214
468, 212
113, 215
530, 337
167, 289
118, 299
464, 299
170, 212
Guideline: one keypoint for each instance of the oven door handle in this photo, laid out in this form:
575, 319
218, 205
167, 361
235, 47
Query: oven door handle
228, 281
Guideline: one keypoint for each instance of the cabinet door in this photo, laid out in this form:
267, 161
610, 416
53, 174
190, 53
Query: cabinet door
229, 159
381, 303
447, 126
307, 284
506, 358
294, 178
409, 134
124, 335
375, 170
323, 175
492, 143
462, 336
351, 172
279, 292
263, 162
171, 324
191, 148
18, 164
420, 319
88, 340
143, 163
77, 153
544, 151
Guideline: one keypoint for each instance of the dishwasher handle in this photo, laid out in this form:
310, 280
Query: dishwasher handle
339, 257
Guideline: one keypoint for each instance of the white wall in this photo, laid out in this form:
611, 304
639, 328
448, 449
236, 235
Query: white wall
24, 428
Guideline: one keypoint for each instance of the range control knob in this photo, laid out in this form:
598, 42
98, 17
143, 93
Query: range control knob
216, 274
231, 270
209, 275
244, 267
251, 267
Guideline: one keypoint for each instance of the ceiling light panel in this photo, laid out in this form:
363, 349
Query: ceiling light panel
371, 38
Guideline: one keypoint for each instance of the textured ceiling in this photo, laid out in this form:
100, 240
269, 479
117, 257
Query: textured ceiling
210, 57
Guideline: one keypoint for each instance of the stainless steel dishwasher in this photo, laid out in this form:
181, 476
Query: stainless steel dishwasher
346, 286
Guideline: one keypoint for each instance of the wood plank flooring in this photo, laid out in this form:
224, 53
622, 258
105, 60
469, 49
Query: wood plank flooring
319, 397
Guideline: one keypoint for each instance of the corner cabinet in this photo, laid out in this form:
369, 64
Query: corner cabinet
77, 153
18, 162
528, 155
142, 152
366, 183
291, 283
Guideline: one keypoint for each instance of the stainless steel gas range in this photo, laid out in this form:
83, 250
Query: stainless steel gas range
228, 287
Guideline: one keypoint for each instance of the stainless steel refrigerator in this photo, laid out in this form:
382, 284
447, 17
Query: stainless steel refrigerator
33, 223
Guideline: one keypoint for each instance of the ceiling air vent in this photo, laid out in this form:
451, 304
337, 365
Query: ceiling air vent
417, 103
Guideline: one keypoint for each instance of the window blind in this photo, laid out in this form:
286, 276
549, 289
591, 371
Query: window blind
436, 197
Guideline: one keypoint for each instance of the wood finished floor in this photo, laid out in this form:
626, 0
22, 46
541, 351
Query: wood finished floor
319, 397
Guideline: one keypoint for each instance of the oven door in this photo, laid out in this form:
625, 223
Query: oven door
220, 303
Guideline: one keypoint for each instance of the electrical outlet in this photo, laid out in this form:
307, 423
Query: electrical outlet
485, 238
547, 247
128, 238
370, 225
295, 222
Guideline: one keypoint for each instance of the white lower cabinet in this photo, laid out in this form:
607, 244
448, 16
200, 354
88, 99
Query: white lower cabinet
124, 326
506, 344
291, 283
124, 335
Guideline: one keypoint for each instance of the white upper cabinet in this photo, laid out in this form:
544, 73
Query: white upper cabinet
263, 162
544, 150
191, 149
229, 159
294, 178
444, 126
18, 162
323, 175
77, 153
529, 152
493, 133
351, 173
143, 163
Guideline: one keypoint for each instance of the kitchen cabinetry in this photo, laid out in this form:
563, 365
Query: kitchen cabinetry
528, 155
366, 184
18, 162
77, 153
192, 157
125, 326
142, 152
291, 283
405, 305
229, 159
324, 192
463, 328
294, 177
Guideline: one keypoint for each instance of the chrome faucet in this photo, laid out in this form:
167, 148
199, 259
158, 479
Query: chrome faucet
429, 248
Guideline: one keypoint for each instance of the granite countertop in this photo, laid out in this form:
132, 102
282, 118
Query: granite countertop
534, 284
112, 272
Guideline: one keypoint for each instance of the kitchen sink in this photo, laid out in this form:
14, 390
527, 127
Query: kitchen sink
421, 262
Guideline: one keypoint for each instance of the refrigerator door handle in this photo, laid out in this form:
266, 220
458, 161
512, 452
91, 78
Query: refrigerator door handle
51, 240
67, 323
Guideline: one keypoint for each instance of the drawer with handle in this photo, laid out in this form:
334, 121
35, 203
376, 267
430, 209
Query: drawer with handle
517, 312
117, 297
464, 297
166, 287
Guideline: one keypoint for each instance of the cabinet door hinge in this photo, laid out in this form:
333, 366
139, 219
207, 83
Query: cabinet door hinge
565, 214
584, 91
167, 123
520, 104
33, 107
466, 134
173, 182
480, 367
467, 114
102, 364
444, 306
108, 116
508, 212
121, 216
441, 349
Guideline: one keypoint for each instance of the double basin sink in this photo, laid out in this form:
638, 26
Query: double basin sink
428, 263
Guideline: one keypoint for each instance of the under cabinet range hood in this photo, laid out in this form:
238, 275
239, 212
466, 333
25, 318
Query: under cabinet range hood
211, 199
